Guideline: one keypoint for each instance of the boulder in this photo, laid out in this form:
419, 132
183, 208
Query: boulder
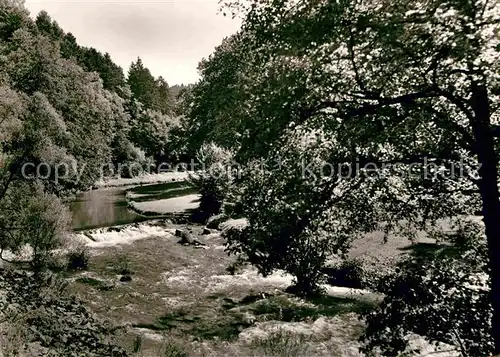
125, 278
187, 238
234, 224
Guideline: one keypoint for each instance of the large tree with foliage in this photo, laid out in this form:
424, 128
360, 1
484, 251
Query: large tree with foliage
348, 83
142, 83
87, 57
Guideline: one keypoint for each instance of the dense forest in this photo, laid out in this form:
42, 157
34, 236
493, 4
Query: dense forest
319, 122
68, 116
71, 113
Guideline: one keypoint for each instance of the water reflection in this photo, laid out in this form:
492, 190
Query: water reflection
108, 206
101, 208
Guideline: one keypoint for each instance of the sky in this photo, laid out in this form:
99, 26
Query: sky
170, 36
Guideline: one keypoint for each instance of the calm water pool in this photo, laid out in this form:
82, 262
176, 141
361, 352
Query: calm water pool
108, 206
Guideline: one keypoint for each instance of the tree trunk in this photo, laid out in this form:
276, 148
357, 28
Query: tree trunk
488, 187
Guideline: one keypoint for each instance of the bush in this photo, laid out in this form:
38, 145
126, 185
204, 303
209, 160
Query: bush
349, 273
51, 320
34, 219
122, 265
174, 350
280, 343
442, 295
215, 180
78, 258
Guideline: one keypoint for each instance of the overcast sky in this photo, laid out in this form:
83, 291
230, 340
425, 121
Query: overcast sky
171, 36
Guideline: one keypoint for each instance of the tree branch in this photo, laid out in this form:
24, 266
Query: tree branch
442, 123
6, 184
350, 47
370, 108
457, 102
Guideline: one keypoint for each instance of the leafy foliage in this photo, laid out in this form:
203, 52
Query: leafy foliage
214, 179
355, 117
213, 107
442, 295
66, 114
349, 273
153, 93
61, 325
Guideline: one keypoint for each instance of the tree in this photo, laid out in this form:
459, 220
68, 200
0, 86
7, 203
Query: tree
58, 128
214, 106
411, 84
433, 293
48, 27
94, 61
142, 84
150, 132
214, 179
13, 16
164, 102
69, 47
89, 112
29, 215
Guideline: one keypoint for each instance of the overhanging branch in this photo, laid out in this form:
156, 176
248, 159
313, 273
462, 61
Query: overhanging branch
370, 108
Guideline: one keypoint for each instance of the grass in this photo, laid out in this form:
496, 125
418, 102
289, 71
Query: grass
122, 265
202, 325
157, 188
95, 283
285, 307
90, 281
281, 343
229, 319
174, 350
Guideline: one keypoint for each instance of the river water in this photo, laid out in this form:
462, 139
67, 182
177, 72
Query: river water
108, 206
101, 208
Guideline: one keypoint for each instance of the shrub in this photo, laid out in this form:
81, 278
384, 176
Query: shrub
348, 273
440, 294
174, 350
50, 319
280, 343
122, 265
78, 258
35, 219
214, 180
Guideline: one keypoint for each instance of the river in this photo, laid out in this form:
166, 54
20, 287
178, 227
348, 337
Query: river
108, 206
101, 208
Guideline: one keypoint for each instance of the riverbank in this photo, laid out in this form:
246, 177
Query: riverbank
145, 179
166, 199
